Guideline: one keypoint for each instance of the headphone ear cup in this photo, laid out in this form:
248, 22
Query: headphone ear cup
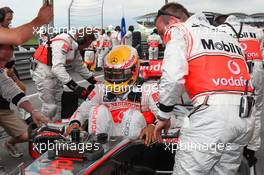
2, 15
81, 41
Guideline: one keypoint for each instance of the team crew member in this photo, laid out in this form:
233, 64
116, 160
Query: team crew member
211, 66
116, 36
105, 45
153, 41
23, 33
90, 56
50, 75
251, 39
127, 39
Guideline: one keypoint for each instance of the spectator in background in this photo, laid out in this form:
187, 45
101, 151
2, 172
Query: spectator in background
7, 17
25, 32
14, 126
14, 91
127, 39
43, 39
5, 22
116, 36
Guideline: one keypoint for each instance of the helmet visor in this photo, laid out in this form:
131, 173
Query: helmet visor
118, 75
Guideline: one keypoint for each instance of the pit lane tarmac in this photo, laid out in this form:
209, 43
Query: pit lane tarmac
12, 163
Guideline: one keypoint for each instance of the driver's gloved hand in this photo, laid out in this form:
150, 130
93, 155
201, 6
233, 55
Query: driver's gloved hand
71, 127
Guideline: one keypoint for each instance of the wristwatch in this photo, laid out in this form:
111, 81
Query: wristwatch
161, 118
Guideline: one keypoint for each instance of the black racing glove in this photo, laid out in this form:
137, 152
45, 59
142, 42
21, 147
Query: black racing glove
81, 92
134, 96
92, 80
90, 89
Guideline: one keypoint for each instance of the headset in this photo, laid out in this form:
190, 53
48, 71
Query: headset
81, 40
2, 15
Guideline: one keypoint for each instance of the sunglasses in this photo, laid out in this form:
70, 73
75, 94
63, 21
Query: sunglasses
161, 13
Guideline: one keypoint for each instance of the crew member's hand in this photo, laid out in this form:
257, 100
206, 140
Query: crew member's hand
92, 80
81, 92
45, 14
10, 73
38, 118
70, 128
90, 89
159, 127
147, 135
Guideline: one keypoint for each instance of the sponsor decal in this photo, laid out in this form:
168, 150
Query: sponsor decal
244, 46
253, 55
65, 48
155, 96
233, 67
156, 67
222, 46
246, 35
124, 104
57, 166
238, 82
94, 116
129, 62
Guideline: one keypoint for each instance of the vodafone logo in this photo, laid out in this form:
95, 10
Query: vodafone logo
243, 46
233, 67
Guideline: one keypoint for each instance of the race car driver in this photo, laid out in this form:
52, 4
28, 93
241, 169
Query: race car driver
122, 105
119, 107
251, 40
207, 63
49, 73
153, 41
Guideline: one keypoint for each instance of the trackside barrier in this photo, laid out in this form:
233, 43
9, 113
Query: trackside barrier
22, 63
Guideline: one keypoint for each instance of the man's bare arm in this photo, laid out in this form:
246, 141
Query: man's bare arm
25, 32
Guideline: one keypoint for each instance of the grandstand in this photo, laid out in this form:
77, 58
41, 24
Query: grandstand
256, 19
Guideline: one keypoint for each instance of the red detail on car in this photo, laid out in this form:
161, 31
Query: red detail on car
152, 70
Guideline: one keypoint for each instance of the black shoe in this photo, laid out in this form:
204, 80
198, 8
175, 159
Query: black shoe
3, 171
98, 69
250, 156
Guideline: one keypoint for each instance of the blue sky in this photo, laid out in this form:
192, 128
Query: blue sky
25, 10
